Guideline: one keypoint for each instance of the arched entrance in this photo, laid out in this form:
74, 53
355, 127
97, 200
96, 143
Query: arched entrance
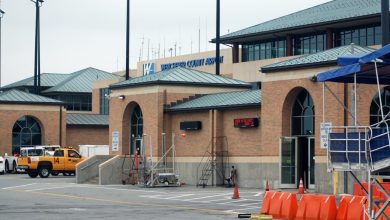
26, 132
375, 110
297, 148
136, 131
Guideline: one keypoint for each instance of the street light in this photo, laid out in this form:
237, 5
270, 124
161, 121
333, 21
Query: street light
1, 18
37, 59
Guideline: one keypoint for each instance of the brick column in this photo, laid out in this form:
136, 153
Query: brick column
289, 45
329, 39
236, 53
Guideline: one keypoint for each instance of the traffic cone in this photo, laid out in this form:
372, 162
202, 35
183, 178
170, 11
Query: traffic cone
235, 192
266, 186
301, 189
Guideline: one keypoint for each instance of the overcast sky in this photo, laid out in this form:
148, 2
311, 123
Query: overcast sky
76, 34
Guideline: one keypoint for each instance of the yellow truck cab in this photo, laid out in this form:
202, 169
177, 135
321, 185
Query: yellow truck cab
64, 161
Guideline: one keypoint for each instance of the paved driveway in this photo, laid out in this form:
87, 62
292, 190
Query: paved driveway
60, 198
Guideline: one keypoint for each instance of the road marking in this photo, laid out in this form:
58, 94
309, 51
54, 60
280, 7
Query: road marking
205, 197
250, 204
11, 187
216, 200
130, 190
179, 196
259, 194
234, 201
122, 202
58, 187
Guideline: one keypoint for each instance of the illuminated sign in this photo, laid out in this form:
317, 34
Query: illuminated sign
246, 122
192, 63
148, 68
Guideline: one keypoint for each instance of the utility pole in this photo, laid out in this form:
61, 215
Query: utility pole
128, 41
1, 18
37, 55
217, 66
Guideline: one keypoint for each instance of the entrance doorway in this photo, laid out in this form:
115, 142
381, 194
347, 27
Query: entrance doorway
297, 161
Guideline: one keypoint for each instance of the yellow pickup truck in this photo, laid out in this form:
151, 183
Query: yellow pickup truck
64, 161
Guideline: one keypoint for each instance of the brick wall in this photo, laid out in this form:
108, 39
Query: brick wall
48, 118
277, 108
87, 136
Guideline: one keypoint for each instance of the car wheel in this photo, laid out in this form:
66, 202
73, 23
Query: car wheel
14, 167
2, 173
55, 173
6, 167
44, 171
32, 174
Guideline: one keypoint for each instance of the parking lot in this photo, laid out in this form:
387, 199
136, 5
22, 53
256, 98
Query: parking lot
22, 197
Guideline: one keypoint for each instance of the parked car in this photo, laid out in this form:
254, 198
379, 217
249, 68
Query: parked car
63, 161
25, 152
2, 168
10, 163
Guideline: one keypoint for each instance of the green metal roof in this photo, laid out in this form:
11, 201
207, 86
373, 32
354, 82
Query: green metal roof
74, 119
81, 81
47, 80
321, 58
182, 75
19, 97
220, 100
329, 12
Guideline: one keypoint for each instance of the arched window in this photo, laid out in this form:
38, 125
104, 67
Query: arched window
302, 119
25, 133
136, 126
375, 110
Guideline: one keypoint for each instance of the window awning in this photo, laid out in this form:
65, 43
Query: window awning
362, 65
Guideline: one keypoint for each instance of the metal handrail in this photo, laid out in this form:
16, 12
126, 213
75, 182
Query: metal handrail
207, 152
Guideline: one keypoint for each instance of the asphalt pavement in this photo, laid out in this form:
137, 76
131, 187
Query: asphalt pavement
22, 197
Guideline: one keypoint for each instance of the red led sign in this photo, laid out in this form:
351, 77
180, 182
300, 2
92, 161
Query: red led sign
246, 122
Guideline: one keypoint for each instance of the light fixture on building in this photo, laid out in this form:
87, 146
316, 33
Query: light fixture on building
121, 97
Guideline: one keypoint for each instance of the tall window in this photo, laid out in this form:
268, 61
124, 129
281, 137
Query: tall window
263, 50
136, 126
375, 110
76, 102
104, 101
309, 44
363, 36
302, 122
25, 133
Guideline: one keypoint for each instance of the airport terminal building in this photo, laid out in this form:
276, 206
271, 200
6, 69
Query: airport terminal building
262, 115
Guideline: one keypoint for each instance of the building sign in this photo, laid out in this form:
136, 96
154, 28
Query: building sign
246, 122
148, 68
324, 133
191, 63
115, 141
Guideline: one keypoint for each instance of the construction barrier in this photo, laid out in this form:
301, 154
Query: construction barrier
317, 206
284, 205
281, 205
266, 202
377, 194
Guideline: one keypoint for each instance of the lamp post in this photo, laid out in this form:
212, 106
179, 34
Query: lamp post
1, 18
128, 40
217, 40
37, 56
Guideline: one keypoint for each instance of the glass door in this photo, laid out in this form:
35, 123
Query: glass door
288, 162
311, 164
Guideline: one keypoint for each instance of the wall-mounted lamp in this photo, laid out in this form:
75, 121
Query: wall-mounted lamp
121, 97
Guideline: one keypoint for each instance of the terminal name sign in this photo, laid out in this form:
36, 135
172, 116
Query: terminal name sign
324, 133
192, 63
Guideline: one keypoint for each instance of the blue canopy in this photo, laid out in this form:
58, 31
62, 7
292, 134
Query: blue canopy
362, 66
